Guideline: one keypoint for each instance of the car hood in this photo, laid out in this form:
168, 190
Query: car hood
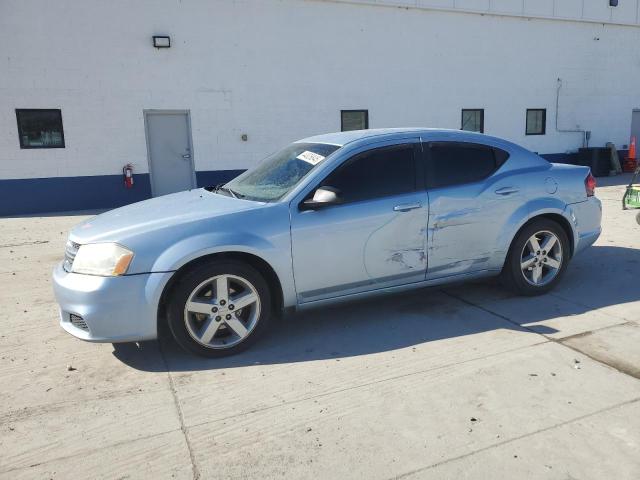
158, 213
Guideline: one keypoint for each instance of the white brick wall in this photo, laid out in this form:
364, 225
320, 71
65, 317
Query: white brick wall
280, 70
626, 13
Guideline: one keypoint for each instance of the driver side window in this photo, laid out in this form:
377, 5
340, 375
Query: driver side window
377, 173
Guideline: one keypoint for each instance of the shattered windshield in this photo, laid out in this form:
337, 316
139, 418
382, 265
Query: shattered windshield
278, 174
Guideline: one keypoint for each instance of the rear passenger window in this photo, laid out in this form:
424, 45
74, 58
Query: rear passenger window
453, 163
375, 174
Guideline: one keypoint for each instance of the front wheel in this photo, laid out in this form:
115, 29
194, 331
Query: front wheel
537, 258
219, 308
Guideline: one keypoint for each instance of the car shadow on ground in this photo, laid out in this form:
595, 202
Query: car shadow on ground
398, 321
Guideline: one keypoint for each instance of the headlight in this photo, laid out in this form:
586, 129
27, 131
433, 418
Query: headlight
104, 259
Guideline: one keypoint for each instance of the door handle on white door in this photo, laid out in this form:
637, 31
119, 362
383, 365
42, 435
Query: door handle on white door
405, 207
507, 190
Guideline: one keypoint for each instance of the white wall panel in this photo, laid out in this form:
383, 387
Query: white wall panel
507, 6
282, 70
542, 8
596, 10
577, 10
476, 5
625, 12
436, 3
570, 8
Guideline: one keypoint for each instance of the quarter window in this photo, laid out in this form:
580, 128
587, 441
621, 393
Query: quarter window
536, 121
40, 128
354, 120
453, 163
374, 174
473, 120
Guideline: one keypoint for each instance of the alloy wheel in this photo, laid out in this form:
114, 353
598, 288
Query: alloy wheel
541, 258
222, 311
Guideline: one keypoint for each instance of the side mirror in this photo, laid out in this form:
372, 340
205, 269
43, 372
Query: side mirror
322, 197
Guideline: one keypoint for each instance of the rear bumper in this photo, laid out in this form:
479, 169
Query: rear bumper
587, 218
114, 309
586, 240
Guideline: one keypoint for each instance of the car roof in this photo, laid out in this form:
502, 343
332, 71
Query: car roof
343, 138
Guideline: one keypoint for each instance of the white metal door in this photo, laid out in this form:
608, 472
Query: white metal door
169, 151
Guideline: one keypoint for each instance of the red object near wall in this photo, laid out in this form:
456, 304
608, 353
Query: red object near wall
127, 173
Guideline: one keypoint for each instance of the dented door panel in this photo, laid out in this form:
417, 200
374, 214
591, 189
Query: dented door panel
354, 248
465, 222
468, 217
364, 245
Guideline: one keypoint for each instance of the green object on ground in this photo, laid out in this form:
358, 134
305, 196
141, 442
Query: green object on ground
631, 198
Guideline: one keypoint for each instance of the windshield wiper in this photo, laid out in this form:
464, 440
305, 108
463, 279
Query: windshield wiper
231, 192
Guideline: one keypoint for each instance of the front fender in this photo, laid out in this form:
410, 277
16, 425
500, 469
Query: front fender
277, 254
188, 249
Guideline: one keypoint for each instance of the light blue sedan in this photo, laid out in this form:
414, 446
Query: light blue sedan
328, 218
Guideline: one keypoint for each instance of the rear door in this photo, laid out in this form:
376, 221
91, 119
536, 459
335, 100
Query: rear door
375, 238
469, 204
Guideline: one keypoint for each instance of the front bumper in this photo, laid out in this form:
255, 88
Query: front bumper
114, 309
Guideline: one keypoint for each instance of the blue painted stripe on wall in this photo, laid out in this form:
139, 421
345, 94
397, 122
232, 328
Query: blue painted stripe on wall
57, 194
60, 194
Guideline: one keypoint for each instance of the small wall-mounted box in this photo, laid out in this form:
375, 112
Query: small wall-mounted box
161, 41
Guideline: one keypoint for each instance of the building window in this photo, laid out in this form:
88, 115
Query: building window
473, 120
40, 128
354, 120
536, 121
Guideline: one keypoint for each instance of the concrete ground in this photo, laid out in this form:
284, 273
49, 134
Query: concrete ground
462, 382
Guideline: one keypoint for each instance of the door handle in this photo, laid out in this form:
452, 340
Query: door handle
507, 190
186, 155
405, 207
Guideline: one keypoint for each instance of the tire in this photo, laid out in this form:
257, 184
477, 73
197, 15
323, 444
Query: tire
204, 322
531, 271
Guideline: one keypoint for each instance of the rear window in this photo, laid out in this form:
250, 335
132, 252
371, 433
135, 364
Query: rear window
453, 163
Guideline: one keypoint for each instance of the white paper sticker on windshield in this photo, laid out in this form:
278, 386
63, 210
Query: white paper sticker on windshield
310, 157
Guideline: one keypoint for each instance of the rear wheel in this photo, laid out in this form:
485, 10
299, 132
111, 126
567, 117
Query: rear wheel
537, 258
219, 308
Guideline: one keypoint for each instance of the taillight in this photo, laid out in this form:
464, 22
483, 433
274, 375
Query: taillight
590, 185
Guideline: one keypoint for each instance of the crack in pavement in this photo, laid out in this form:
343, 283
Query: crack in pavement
591, 308
560, 341
367, 384
87, 451
520, 437
23, 244
184, 429
194, 467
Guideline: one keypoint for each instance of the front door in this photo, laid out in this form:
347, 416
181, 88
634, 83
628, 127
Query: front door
375, 238
169, 149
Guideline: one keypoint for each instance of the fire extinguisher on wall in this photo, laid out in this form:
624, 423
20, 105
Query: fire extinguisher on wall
127, 173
